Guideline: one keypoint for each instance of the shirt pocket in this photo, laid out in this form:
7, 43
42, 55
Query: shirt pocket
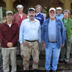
59, 26
14, 31
5, 31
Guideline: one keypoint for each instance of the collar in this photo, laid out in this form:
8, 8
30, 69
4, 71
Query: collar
59, 15
56, 19
37, 13
29, 20
11, 24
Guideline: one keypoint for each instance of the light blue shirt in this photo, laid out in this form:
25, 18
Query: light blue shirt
61, 16
30, 30
52, 30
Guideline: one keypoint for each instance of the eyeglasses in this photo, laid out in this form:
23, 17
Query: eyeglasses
52, 12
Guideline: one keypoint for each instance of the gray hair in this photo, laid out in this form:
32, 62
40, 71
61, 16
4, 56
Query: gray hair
38, 6
66, 11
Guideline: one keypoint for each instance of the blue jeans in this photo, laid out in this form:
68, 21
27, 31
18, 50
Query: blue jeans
52, 52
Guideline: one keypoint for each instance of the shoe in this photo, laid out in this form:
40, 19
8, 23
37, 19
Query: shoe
61, 60
26, 70
66, 61
53, 70
47, 71
35, 70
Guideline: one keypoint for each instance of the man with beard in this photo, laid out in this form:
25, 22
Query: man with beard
29, 36
53, 37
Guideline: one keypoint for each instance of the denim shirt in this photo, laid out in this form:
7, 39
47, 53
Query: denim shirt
60, 32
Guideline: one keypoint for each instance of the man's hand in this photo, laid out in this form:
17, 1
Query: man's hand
9, 44
62, 45
44, 45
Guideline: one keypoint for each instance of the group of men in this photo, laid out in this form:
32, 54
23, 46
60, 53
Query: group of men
54, 32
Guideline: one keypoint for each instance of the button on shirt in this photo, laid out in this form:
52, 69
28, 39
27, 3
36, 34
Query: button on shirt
30, 30
52, 31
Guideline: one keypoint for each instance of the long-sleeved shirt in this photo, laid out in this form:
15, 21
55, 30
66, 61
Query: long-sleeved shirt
17, 19
60, 33
9, 34
61, 16
40, 17
30, 30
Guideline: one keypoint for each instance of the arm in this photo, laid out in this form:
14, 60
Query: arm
2, 37
43, 33
39, 33
17, 35
63, 33
43, 19
21, 33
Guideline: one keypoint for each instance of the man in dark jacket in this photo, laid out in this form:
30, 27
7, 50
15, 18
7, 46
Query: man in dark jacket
9, 37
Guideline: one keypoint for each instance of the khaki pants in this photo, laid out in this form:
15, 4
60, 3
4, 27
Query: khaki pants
26, 51
6, 52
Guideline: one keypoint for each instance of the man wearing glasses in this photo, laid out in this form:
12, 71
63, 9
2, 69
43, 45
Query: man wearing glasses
53, 37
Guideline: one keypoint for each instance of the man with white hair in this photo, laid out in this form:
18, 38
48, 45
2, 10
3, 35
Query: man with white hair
18, 18
53, 37
59, 14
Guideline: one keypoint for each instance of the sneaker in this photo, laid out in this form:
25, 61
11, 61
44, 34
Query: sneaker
53, 70
47, 71
66, 61
35, 70
26, 70
61, 60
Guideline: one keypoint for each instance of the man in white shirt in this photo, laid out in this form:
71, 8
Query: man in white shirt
29, 36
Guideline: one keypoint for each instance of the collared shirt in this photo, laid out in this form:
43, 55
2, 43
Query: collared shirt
9, 34
30, 30
61, 16
40, 17
65, 23
52, 30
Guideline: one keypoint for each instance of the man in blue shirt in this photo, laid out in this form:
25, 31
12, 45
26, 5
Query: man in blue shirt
59, 14
53, 38
29, 36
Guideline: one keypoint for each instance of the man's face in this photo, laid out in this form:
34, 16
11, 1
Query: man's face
59, 12
66, 15
20, 9
31, 14
9, 17
52, 14
38, 9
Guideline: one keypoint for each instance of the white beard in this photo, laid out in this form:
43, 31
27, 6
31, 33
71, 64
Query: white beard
52, 16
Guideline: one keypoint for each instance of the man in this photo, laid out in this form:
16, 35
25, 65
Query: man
9, 37
18, 18
29, 36
53, 36
41, 17
59, 14
68, 28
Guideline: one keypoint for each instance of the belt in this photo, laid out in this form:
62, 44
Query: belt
32, 40
52, 42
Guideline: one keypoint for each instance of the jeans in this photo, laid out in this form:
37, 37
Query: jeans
52, 52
